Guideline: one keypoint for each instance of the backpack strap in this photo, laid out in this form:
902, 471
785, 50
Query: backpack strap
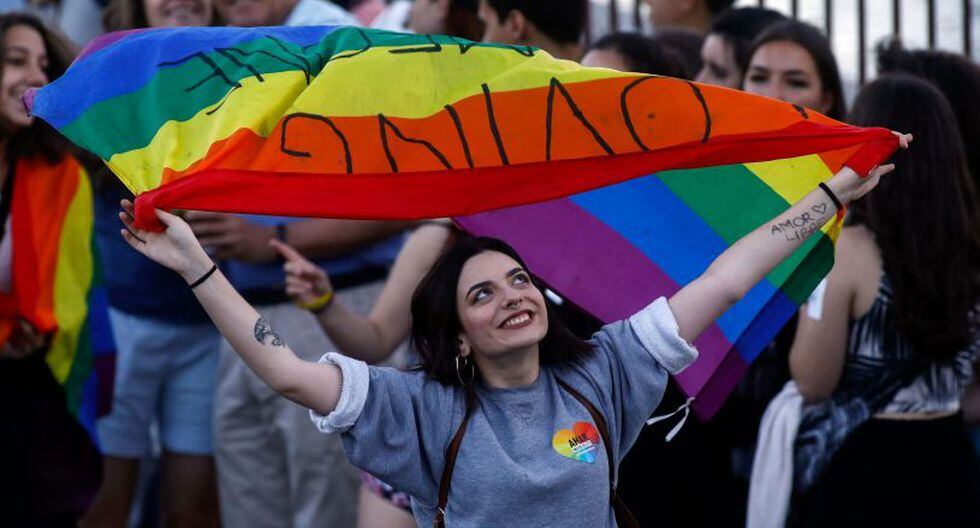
624, 518
451, 452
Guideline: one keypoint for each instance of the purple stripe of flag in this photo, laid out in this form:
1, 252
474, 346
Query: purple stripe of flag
611, 276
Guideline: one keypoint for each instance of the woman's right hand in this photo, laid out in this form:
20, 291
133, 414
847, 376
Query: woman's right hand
175, 247
305, 281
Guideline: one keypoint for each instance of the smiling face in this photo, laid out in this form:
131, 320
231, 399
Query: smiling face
785, 70
24, 62
500, 309
177, 13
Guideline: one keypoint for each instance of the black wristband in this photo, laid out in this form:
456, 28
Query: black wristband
281, 233
833, 197
198, 282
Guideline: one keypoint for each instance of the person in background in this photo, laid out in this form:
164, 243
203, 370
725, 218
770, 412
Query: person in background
254, 13
793, 61
272, 469
686, 43
459, 18
956, 76
634, 52
167, 350
49, 467
134, 14
898, 333
725, 51
693, 15
373, 338
556, 26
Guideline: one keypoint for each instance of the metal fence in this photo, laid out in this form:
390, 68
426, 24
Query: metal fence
870, 19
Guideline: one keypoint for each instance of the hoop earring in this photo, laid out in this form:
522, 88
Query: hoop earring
461, 363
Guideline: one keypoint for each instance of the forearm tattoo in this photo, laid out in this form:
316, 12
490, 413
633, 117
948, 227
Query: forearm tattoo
801, 226
263, 330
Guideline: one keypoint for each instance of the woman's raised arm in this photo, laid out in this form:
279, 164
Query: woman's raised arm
313, 385
745, 263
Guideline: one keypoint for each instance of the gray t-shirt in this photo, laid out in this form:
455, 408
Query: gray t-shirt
531, 456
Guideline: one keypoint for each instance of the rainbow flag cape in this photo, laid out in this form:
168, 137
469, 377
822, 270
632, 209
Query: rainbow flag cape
354, 123
57, 283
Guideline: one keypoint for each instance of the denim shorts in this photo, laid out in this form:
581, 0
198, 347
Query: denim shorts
165, 374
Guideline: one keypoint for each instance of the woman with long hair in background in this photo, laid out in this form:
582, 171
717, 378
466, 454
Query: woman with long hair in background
898, 333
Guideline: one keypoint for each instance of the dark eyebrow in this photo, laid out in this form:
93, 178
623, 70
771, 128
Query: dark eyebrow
484, 284
796, 72
477, 286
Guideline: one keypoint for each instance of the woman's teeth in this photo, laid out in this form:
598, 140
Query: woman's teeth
517, 320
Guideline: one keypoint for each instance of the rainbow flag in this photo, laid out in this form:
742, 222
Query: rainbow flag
633, 242
57, 283
355, 123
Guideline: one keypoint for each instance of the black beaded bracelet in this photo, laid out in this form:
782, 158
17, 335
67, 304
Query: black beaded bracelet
198, 282
833, 197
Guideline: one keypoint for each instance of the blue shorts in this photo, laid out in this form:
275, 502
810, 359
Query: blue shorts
166, 374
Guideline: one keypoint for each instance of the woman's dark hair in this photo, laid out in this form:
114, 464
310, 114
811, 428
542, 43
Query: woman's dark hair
562, 20
686, 43
39, 139
435, 319
816, 44
956, 76
642, 54
739, 27
924, 216
464, 21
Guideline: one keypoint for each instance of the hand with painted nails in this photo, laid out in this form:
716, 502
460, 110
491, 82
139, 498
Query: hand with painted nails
849, 185
175, 247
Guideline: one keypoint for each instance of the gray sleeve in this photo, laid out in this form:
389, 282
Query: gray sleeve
353, 394
395, 425
656, 329
630, 368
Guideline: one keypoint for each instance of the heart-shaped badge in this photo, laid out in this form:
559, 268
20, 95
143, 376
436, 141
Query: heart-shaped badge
580, 443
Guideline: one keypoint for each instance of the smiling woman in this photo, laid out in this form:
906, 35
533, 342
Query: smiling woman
511, 421
50, 468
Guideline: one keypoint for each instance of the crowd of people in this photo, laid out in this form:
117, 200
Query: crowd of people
210, 417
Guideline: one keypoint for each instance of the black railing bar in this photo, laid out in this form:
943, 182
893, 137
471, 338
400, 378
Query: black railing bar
897, 17
968, 28
931, 21
828, 15
638, 17
794, 8
862, 46
613, 16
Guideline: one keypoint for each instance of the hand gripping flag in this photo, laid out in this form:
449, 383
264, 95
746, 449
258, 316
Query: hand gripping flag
354, 123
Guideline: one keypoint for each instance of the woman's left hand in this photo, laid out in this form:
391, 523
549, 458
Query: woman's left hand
849, 185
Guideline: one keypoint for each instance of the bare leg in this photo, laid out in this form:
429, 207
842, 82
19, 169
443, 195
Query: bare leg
375, 512
190, 492
110, 508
